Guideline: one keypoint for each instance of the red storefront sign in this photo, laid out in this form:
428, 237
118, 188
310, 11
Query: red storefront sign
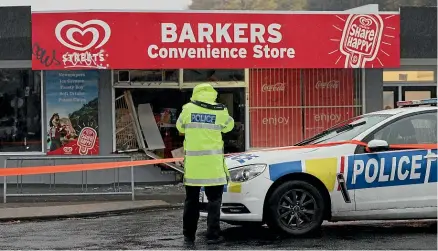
124, 40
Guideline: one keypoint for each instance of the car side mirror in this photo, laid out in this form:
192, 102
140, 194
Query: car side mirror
377, 145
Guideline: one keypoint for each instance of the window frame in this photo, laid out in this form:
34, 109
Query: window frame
409, 70
217, 84
180, 84
146, 84
361, 149
42, 115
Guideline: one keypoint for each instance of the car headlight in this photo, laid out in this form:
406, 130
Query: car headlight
245, 173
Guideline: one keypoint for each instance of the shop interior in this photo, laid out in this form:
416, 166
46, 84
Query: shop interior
158, 109
400, 84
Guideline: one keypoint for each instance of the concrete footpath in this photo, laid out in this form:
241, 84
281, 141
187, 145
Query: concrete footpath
52, 207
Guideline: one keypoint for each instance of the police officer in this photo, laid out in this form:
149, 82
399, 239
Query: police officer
203, 121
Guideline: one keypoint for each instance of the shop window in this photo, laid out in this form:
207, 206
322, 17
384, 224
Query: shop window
147, 76
20, 105
300, 103
389, 99
408, 76
165, 107
213, 75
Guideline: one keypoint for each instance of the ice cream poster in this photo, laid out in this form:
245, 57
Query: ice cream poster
72, 112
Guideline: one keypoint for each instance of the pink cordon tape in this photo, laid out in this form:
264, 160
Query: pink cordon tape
111, 165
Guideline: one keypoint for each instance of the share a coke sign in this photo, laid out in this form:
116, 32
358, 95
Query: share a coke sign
147, 40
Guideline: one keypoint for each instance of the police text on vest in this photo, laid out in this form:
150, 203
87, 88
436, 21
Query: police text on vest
203, 118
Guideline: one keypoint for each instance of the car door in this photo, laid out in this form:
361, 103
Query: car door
397, 178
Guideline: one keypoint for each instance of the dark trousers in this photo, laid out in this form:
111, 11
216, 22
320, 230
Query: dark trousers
192, 207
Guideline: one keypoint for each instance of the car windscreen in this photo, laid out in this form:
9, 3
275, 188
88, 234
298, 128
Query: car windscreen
346, 130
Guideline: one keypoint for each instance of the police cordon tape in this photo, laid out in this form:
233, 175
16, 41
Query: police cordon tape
111, 165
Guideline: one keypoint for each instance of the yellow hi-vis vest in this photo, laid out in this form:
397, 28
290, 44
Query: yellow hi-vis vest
204, 163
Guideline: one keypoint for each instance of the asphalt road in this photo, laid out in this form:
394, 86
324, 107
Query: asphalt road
162, 230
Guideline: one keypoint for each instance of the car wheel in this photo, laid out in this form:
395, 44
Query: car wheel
295, 208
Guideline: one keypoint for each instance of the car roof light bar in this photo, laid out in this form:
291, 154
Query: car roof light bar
410, 103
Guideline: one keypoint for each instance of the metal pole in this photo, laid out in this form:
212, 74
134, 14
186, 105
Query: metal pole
132, 183
247, 127
5, 182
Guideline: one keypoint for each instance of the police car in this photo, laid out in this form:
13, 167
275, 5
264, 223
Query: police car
294, 190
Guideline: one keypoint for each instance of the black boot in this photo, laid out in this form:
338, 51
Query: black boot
217, 240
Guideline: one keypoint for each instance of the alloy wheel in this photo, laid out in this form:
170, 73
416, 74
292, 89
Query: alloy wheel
296, 209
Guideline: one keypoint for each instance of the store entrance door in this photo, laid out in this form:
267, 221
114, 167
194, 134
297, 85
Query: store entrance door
392, 94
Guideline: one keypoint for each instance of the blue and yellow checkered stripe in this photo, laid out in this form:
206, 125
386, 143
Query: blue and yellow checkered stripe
324, 169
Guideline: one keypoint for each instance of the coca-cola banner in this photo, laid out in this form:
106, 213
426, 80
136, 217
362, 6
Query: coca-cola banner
316, 99
275, 127
274, 88
317, 120
173, 40
328, 87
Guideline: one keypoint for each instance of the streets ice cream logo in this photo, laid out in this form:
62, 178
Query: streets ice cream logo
67, 149
87, 50
363, 37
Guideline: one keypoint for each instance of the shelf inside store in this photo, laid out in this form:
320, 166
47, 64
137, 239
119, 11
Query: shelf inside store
166, 125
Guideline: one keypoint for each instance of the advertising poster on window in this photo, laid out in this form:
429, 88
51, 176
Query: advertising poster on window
275, 113
275, 127
72, 112
319, 119
328, 87
275, 87
328, 98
